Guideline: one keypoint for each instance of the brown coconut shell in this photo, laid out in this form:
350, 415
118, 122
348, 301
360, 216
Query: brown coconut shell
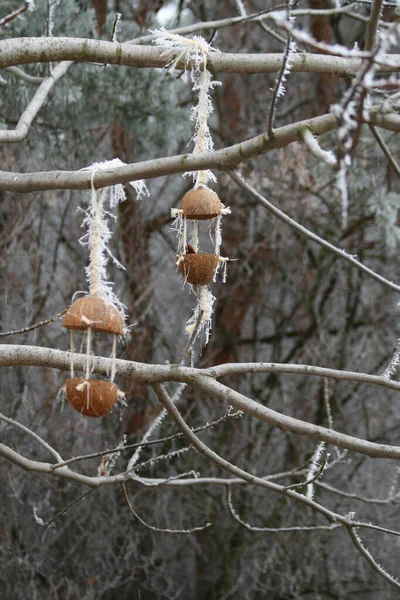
198, 269
94, 398
201, 204
93, 312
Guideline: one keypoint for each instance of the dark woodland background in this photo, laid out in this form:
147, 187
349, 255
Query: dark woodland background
285, 300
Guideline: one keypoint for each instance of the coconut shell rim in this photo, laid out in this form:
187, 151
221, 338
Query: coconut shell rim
75, 322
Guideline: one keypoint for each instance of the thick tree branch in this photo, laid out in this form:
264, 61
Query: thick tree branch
225, 159
36, 356
27, 50
203, 379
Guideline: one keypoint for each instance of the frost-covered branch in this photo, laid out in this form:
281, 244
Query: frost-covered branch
326, 156
369, 558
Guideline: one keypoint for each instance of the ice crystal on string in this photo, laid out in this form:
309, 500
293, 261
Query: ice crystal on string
204, 307
292, 50
178, 228
393, 366
314, 468
194, 51
109, 461
99, 234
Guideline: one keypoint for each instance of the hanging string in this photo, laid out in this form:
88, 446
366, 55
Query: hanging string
218, 236
202, 175
196, 235
184, 250
71, 341
113, 357
88, 351
96, 246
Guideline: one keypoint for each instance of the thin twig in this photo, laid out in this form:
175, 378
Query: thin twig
25, 76
32, 434
249, 527
63, 510
11, 16
35, 326
152, 528
352, 496
279, 80
309, 234
385, 149
26, 119
227, 415
312, 479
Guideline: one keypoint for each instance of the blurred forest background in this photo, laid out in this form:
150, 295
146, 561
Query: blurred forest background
286, 300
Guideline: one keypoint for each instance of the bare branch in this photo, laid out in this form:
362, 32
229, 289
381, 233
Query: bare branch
25, 76
225, 159
33, 435
27, 117
13, 15
179, 531
373, 23
227, 415
36, 356
257, 18
27, 50
35, 326
63, 511
385, 149
249, 527
351, 496
309, 234
226, 465
296, 426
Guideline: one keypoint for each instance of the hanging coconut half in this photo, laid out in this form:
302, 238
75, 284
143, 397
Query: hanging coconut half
91, 397
95, 313
198, 269
201, 204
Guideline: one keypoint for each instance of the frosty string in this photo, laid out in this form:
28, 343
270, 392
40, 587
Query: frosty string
279, 89
353, 110
195, 51
200, 203
100, 311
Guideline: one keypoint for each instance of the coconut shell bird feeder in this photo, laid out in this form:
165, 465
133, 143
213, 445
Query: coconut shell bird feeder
198, 268
200, 204
94, 314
